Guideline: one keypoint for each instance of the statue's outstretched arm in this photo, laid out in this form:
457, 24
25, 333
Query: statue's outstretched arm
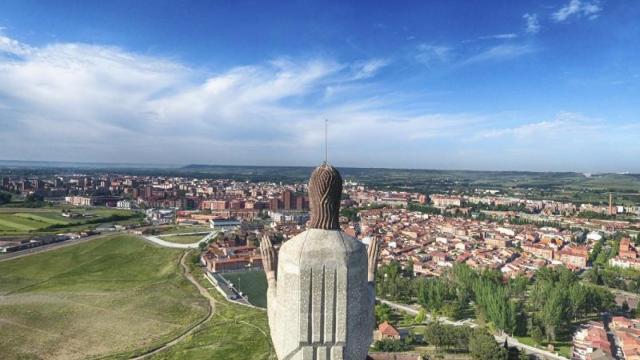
372, 255
269, 262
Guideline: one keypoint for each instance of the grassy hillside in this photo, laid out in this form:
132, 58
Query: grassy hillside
235, 332
112, 295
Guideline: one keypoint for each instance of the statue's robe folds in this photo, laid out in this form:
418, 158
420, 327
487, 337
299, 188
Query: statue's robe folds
322, 306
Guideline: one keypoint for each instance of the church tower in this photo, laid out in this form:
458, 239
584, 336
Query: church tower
320, 300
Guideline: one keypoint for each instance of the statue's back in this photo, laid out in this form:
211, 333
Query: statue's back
321, 301
323, 307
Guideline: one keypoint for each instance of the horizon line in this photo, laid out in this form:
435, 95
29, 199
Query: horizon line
180, 166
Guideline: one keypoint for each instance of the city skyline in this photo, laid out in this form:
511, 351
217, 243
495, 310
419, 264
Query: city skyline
491, 86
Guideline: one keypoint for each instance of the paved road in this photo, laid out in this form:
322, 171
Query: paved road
499, 338
212, 307
49, 247
188, 233
414, 311
157, 240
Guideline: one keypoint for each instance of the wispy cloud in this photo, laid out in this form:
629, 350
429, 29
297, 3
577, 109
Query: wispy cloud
564, 124
578, 8
12, 47
369, 68
500, 53
80, 102
532, 23
89, 102
505, 36
428, 54
568, 140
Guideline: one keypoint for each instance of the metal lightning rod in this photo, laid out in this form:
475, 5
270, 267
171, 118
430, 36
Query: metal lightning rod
326, 146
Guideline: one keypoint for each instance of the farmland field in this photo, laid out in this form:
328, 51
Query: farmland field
251, 283
116, 295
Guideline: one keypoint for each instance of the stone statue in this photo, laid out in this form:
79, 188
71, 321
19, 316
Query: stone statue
321, 294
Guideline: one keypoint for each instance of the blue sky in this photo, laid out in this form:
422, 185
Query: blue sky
492, 85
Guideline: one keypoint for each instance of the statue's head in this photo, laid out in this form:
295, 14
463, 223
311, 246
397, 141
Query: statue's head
325, 190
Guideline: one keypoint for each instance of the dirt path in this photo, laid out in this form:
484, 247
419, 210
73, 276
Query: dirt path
212, 306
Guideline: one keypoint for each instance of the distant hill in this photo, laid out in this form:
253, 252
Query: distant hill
567, 186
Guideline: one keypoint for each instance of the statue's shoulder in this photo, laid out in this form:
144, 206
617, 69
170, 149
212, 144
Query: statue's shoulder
319, 238
352, 244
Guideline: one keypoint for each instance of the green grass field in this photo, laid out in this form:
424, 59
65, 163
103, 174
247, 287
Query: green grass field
18, 221
116, 295
251, 283
235, 332
183, 239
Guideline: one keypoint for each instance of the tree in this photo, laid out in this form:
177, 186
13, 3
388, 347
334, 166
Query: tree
524, 356
419, 319
536, 333
389, 345
383, 313
452, 310
553, 313
435, 335
203, 246
34, 200
577, 300
4, 197
408, 269
482, 346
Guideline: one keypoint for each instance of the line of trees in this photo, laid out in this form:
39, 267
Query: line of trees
557, 298
425, 209
542, 307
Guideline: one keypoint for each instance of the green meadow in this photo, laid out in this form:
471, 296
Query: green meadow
111, 297
234, 332
183, 239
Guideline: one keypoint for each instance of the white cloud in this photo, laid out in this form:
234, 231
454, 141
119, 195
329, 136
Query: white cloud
500, 53
532, 23
432, 54
79, 102
370, 68
567, 141
505, 36
564, 124
96, 103
12, 47
579, 8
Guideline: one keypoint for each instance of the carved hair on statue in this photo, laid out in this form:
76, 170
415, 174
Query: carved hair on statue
325, 190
